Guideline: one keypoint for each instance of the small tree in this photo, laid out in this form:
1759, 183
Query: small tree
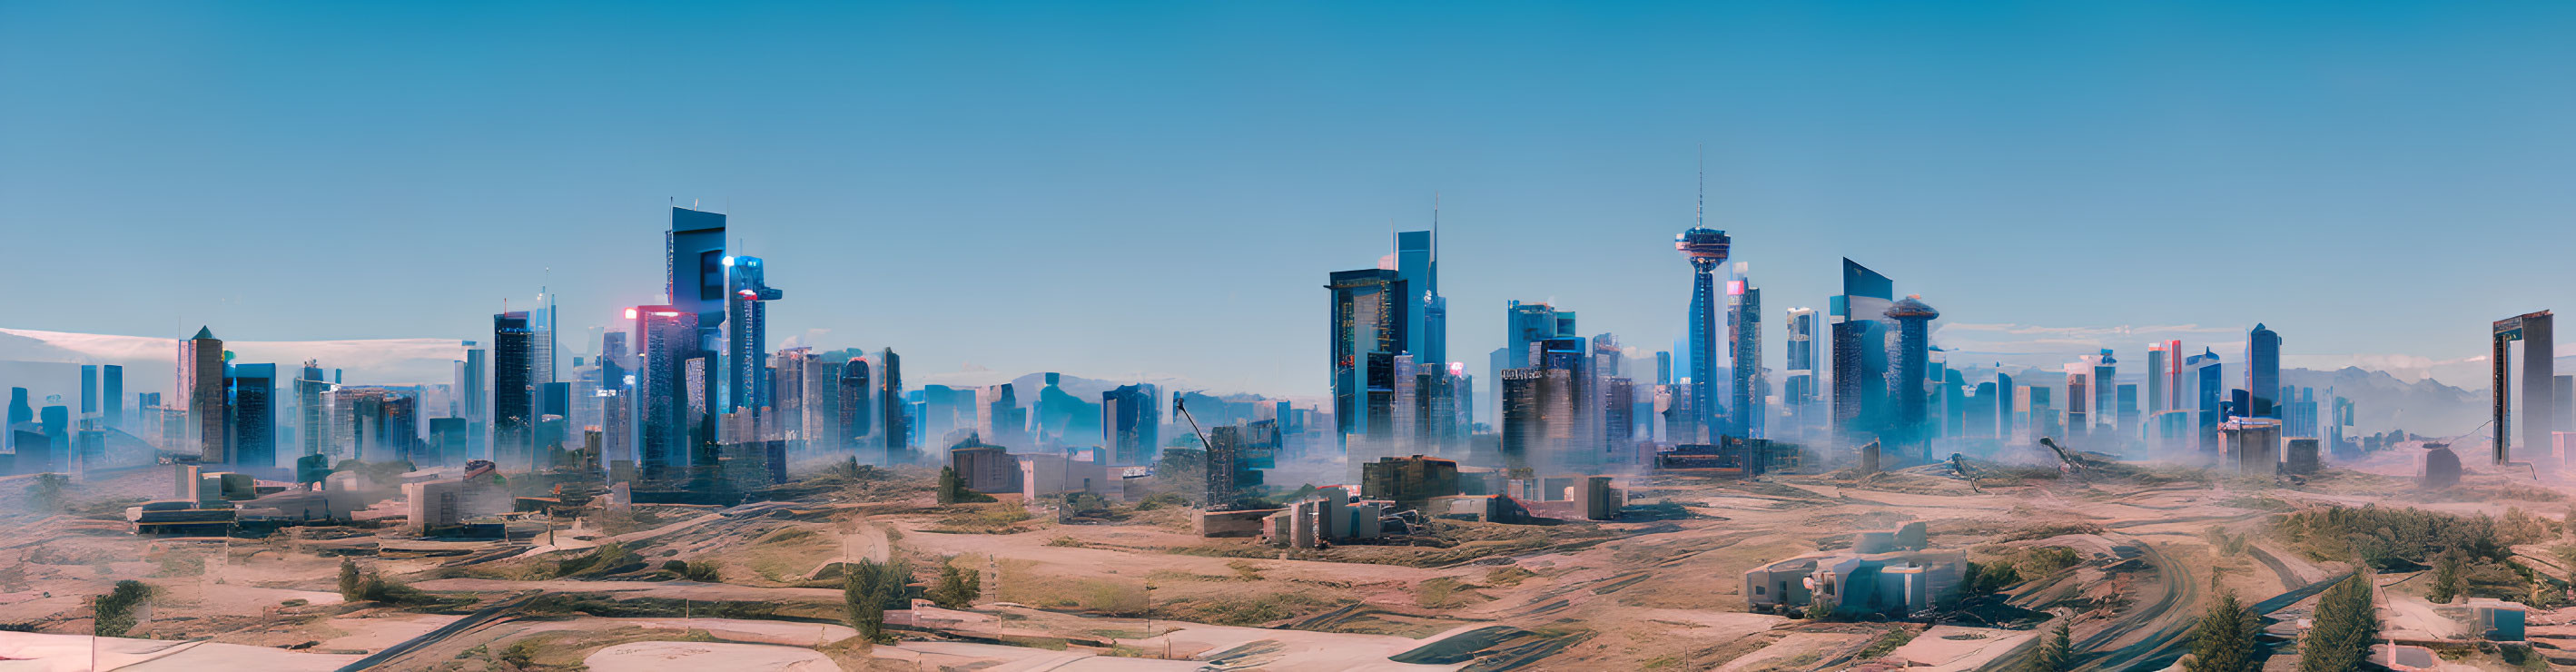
352, 587
48, 491
958, 588
2346, 624
949, 485
2224, 640
114, 612
871, 589
2450, 577
2058, 655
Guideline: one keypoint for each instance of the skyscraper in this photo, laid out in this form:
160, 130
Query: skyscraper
2539, 383
747, 297
693, 268
1798, 392
1706, 249
1417, 264
201, 393
857, 403
1131, 423
473, 382
252, 394
2263, 372
893, 426
112, 385
1744, 348
668, 339
1912, 387
2172, 373
1370, 314
1860, 348
2105, 372
514, 391
2204, 367
313, 410
2155, 378
89, 391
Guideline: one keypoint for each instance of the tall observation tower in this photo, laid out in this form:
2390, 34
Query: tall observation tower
1706, 249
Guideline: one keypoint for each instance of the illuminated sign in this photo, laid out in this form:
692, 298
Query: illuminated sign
1734, 288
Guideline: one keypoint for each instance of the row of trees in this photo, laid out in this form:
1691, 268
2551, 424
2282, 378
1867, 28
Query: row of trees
873, 587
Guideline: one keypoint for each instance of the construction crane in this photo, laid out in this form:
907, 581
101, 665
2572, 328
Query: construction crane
2073, 465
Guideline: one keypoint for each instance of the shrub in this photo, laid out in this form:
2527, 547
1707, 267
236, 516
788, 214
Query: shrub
114, 612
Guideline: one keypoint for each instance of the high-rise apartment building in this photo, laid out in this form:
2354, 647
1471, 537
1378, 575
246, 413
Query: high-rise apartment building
1744, 348
201, 394
747, 297
514, 391
251, 395
1370, 314
2263, 372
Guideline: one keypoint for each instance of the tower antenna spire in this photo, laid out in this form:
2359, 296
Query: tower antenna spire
1435, 225
1700, 216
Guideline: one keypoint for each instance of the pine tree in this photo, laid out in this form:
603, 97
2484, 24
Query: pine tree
2346, 624
2058, 655
869, 590
948, 485
2224, 640
2449, 579
957, 588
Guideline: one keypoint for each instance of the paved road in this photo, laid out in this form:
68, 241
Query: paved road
479, 617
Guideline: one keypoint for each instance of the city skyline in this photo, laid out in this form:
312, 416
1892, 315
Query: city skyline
1794, 175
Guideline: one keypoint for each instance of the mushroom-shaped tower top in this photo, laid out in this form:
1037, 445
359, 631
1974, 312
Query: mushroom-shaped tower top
1703, 246
1911, 308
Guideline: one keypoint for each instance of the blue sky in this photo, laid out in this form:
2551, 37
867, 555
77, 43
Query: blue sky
1114, 189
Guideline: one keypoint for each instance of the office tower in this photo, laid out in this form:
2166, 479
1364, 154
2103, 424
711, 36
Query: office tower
892, 425
2009, 406
2128, 409
1911, 386
313, 413
2041, 411
1548, 426
2564, 392
1404, 413
2539, 381
56, 424
786, 390
1131, 424
2204, 367
856, 407
1417, 265
1798, 392
999, 418
1663, 367
2155, 378
1744, 348
1706, 249
514, 391
2263, 372
2105, 372
667, 337
251, 392
2079, 419
201, 394
2172, 372
747, 297
554, 405
89, 391
1979, 420
1859, 348
473, 384
112, 389
541, 347
693, 270
446, 443
1370, 313
1523, 324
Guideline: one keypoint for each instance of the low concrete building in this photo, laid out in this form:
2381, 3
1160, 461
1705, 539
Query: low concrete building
1233, 523
1893, 584
2299, 456
1044, 475
986, 469
1481, 508
1409, 480
1330, 517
